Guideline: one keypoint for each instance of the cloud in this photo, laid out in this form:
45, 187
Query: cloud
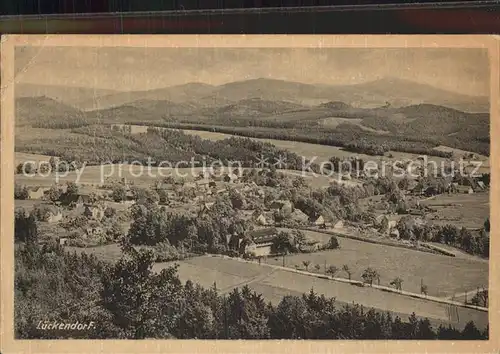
461, 70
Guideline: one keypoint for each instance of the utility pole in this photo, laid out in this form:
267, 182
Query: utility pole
226, 329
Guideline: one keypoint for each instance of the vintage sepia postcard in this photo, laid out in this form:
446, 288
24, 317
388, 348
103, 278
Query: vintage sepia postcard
254, 194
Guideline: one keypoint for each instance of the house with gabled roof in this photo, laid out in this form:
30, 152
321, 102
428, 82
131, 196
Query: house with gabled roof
261, 220
465, 190
230, 178
37, 192
51, 213
94, 211
324, 221
260, 242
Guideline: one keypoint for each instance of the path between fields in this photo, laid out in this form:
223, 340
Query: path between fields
468, 294
343, 280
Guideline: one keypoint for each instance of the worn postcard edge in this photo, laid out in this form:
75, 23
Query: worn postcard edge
10, 345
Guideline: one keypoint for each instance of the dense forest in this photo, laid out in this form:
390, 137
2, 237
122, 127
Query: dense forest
100, 144
344, 136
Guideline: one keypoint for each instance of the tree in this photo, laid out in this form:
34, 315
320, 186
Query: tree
397, 283
404, 183
284, 243
470, 331
72, 189
237, 200
369, 275
449, 234
424, 330
480, 298
332, 270
487, 225
114, 232
27, 168
20, 192
162, 196
317, 267
347, 270
25, 227
109, 212
383, 226
118, 193
306, 264
54, 193
424, 289
333, 243
53, 162
299, 237
140, 303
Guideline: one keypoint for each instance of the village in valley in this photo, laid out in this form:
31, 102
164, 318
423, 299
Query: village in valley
366, 207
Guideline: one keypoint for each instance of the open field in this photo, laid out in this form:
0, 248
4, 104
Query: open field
321, 153
91, 176
273, 284
443, 275
467, 210
21, 157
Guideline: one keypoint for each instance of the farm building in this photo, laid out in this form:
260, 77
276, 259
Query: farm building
394, 233
205, 207
261, 242
431, 191
129, 198
385, 224
465, 190
199, 196
481, 185
230, 178
261, 220
36, 192
78, 200
52, 214
204, 174
299, 216
94, 231
328, 222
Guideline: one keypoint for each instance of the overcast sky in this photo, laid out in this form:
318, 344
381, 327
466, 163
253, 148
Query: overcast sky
460, 70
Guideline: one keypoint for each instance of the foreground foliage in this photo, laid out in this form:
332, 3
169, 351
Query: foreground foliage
128, 300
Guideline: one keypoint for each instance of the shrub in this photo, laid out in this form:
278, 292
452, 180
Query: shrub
333, 243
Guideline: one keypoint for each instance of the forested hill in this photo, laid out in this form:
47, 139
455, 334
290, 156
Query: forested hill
338, 122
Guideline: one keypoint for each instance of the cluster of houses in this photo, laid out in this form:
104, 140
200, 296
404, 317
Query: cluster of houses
466, 185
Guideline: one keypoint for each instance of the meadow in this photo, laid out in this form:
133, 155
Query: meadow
323, 153
273, 284
462, 210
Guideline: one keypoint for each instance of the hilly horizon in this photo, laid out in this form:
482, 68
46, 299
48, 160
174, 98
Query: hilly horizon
424, 119
396, 92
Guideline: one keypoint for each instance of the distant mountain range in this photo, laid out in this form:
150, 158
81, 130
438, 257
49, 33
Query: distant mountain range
422, 120
396, 92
